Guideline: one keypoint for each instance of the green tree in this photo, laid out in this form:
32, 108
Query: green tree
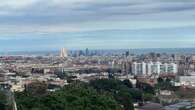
128, 83
145, 87
2, 101
148, 97
118, 89
125, 99
72, 97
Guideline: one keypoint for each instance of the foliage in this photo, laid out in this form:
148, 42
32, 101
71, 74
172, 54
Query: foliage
100, 94
71, 97
128, 83
145, 87
6, 100
124, 98
164, 84
2, 101
148, 97
122, 91
110, 85
183, 108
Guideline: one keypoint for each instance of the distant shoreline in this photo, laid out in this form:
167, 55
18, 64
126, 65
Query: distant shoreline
132, 51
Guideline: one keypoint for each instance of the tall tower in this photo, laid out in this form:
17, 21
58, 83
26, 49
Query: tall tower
87, 52
63, 53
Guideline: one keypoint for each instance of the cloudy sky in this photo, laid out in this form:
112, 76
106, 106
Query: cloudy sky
96, 24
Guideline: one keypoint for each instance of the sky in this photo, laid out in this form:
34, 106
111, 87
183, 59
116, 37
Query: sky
36, 25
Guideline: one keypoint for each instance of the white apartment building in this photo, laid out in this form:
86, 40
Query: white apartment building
139, 68
153, 68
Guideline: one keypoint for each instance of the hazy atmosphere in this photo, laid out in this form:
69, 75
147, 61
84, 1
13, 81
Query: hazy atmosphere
77, 24
97, 55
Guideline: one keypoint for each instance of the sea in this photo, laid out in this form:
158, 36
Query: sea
107, 51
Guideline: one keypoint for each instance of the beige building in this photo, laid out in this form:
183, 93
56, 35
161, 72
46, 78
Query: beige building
63, 53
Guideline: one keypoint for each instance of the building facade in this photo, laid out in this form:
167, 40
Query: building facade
153, 68
63, 53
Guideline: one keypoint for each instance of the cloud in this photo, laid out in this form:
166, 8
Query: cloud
92, 21
92, 26
82, 8
16, 4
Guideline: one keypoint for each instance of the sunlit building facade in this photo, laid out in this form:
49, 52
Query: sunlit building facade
153, 68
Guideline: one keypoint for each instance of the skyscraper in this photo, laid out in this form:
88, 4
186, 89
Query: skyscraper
87, 52
63, 53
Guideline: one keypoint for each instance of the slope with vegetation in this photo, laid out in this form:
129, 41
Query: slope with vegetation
100, 94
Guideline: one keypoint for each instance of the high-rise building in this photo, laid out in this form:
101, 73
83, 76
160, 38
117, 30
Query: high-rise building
153, 68
127, 53
63, 53
149, 68
156, 67
87, 52
139, 68
126, 67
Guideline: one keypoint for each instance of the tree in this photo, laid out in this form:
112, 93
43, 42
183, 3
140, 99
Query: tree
128, 83
160, 80
164, 84
72, 97
147, 97
118, 89
110, 85
37, 88
2, 101
124, 98
145, 87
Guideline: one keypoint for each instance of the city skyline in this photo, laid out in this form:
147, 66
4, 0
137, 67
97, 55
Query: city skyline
79, 24
97, 54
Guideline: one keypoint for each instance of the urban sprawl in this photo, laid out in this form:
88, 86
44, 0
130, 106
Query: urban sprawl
17, 72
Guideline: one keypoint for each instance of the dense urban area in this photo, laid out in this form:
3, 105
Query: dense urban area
98, 80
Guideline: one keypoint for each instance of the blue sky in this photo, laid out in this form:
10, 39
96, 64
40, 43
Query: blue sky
96, 24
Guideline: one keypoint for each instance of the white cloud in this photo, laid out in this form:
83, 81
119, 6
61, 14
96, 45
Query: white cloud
52, 16
16, 4
91, 26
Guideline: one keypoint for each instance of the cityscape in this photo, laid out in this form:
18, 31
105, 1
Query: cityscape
161, 81
97, 55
